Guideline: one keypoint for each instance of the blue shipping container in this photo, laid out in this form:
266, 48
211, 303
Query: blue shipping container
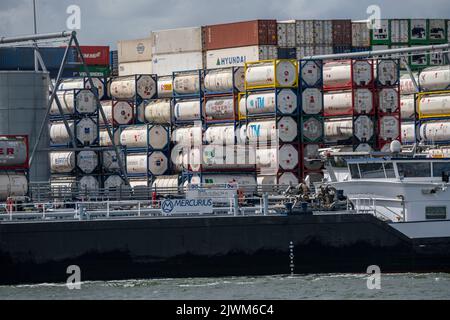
342, 49
22, 58
287, 53
361, 49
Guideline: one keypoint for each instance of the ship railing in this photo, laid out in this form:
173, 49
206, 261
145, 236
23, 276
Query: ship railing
96, 210
364, 204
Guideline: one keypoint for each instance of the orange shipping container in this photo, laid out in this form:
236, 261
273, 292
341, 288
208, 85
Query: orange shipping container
240, 34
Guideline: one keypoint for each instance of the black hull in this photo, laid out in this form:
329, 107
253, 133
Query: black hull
206, 247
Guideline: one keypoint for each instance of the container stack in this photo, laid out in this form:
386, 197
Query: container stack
312, 118
14, 169
70, 165
270, 115
97, 59
146, 145
408, 108
135, 57
433, 106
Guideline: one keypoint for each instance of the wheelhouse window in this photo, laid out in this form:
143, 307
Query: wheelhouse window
354, 171
414, 169
372, 170
440, 167
436, 213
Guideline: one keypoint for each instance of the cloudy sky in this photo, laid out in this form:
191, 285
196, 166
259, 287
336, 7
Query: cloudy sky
104, 22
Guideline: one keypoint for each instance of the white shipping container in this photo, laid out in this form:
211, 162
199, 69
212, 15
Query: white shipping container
361, 34
177, 40
399, 30
133, 68
237, 57
135, 50
167, 64
286, 34
382, 32
305, 32
418, 29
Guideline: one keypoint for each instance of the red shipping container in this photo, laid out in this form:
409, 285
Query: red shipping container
96, 55
342, 32
240, 34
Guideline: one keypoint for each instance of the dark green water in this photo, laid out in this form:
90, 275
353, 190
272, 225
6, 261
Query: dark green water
339, 286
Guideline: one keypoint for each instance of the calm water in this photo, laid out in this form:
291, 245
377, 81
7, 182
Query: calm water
343, 286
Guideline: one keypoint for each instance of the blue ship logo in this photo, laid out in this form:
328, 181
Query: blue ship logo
167, 206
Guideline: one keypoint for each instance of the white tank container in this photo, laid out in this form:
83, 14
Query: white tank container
137, 163
285, 102
180, 159
312, 101
188, 136
267, 158
12, 185
158, 163
89, 183
313, 129
407, 85
117, 113
363, 101
114, 182
87, 161
105, 141
408, 133
188, 110
288, 157
83, 101
13, 152
242, 180
166, 183
83, 83
387, 72
389, 128
338, 103
110, 161
364, 128
264, 131
155, 137
338, 130
284, 72
362, 72
158, 111
220, 109
337, 74
223, 80
388, 100
62, 162
407, 107
311, 74
86, 131
195, 159
435, 131
220, 135
227, 158
435, 78
435, 105
165, 87
128, 88
288, 179
186, 84
138, 183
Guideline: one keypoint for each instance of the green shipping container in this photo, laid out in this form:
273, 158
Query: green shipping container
95, 71
418, 31
438, 30
419, 60
382, 33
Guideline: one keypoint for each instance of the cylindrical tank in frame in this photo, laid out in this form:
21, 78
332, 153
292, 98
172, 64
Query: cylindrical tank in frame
191, 135
231, 157
264, 131
286, 158
407, 85
363, 72
166, 184
132, 87
266, 182
104, 139
435, 78
89, 184
245, 182
12, 185
188, 110
219, 135
110, 161
85, 131
87, 161
281, 73
225, 80
165, 87
282, 102
145, 136
221, 108
388, 72
364, 128
118, 113
186, 83
337, 74
114, 182
13, 152
62, 161
83, 83
388, 100
312, 101
339, 129
408, 133
23, 106
338, 103
81, 101
407, 107
435, 131
437, 105
156, 162
158, 111
389, 127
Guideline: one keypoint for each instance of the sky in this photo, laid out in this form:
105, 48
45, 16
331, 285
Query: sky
104, 22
